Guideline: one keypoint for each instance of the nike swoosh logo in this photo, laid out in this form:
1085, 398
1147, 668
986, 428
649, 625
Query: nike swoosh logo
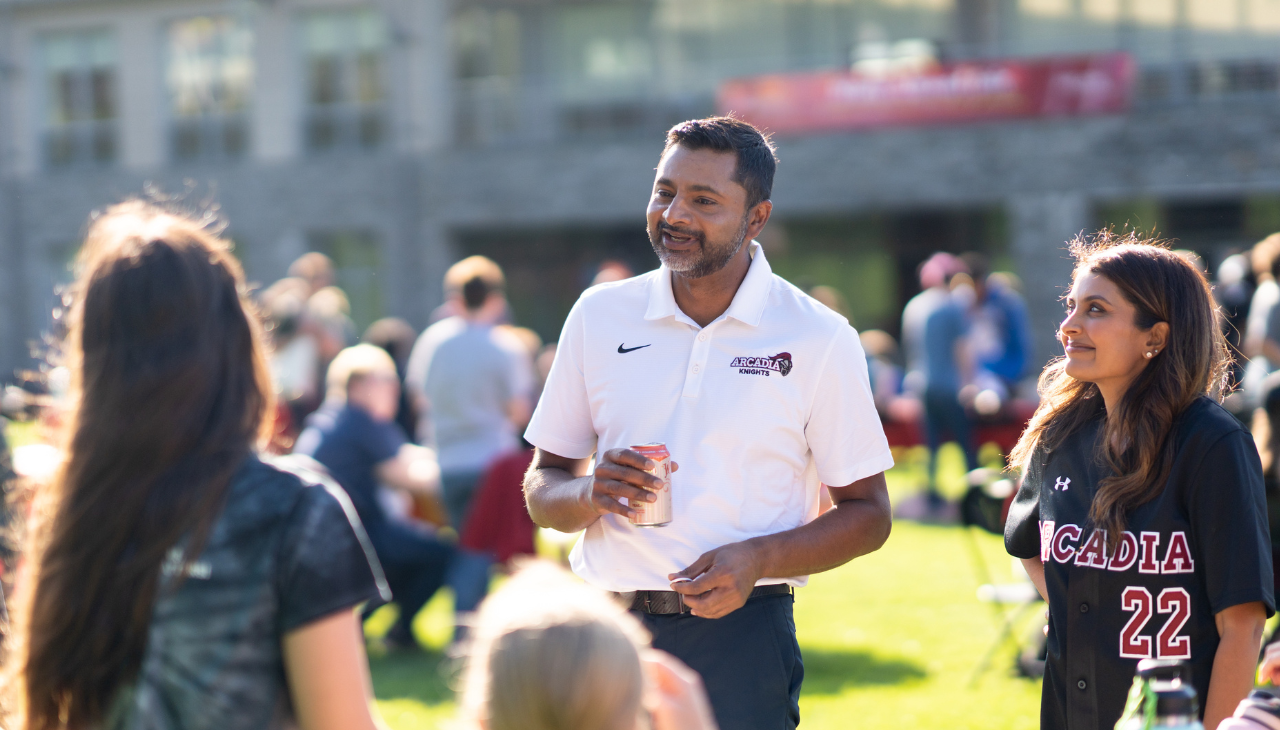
624, 350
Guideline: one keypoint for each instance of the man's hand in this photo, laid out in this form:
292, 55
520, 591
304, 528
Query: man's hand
621, 473
722, 580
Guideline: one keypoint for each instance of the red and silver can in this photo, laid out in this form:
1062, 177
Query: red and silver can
658, 512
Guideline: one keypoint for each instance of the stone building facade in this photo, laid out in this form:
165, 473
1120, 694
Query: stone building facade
397, 135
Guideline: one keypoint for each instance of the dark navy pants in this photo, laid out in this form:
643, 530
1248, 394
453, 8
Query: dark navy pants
749, 661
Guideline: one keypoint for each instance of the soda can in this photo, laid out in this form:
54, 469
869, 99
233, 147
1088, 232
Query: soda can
658, 512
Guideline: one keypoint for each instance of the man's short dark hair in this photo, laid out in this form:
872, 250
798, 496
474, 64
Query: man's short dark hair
756, 159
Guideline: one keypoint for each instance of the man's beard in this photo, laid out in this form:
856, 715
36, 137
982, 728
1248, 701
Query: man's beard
703, 261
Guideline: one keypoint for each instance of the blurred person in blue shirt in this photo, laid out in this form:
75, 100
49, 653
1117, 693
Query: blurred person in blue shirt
934, 330
355, 437
999, 331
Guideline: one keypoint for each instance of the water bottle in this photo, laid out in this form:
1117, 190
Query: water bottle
1161, 697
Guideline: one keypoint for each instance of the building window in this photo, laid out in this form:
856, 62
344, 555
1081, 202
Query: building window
346, 88
357, 263
210, 80
80, 98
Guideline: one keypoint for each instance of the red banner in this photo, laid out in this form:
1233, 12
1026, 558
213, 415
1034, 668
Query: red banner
942, 94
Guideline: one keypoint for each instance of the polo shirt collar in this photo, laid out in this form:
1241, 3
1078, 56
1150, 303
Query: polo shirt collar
747, 305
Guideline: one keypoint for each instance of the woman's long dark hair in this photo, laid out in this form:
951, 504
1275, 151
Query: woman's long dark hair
1137, 443
169, 391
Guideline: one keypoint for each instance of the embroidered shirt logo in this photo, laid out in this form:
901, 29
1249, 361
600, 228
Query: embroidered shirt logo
780, 363
1061, 483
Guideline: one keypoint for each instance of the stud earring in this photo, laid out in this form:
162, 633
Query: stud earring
1149, 355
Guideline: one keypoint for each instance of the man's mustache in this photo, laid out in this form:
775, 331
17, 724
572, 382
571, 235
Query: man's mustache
666, 228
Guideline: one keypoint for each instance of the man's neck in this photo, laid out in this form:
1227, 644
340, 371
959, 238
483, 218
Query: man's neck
706, 298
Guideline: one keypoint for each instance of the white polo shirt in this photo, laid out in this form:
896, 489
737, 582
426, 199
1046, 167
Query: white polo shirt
758, 408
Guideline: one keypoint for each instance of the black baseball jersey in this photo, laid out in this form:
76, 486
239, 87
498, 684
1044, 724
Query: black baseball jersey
1199, 547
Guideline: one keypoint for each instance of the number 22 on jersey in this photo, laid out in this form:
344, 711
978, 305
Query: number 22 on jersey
1168, 644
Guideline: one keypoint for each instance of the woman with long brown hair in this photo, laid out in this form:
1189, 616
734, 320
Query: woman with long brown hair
1141, 516
174, 579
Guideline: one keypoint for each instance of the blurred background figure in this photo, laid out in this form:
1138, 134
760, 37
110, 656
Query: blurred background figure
611, 270
884, 367
315, 269
1262, 344
833, 299
471, 381
330, 313
999, 334
397, 336
1233, 288
934, 330
550, 653
355, 439
294, 356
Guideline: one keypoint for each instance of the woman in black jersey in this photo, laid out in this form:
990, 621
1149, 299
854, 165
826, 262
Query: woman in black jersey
1141, 518
173, 578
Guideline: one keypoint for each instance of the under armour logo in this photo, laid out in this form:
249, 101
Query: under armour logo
1062, 483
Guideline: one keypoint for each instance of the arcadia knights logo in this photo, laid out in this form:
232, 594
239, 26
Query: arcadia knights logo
780, 363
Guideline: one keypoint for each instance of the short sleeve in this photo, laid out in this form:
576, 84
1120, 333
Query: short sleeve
843, 430
562, 423
1229, 529
326, 562
1022, 528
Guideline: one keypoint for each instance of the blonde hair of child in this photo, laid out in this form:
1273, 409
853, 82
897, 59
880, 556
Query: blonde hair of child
550, 653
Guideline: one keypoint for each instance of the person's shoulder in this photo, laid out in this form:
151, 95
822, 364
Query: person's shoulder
264, 489
445, 329
297, 481
1205, 422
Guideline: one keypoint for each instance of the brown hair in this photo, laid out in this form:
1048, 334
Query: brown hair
169, 392
1137, 443
757, 158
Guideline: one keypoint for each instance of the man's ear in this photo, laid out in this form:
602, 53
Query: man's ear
757, 217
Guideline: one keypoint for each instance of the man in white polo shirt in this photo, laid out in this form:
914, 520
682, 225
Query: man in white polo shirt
760, 394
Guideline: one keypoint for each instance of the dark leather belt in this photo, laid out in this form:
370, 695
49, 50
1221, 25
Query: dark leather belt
668, 602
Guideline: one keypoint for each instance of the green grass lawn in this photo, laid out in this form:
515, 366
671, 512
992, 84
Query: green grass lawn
889, 641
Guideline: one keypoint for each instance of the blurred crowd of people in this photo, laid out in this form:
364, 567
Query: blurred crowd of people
963, 361
410, 424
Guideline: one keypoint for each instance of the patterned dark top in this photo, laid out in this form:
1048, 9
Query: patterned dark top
287, 550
